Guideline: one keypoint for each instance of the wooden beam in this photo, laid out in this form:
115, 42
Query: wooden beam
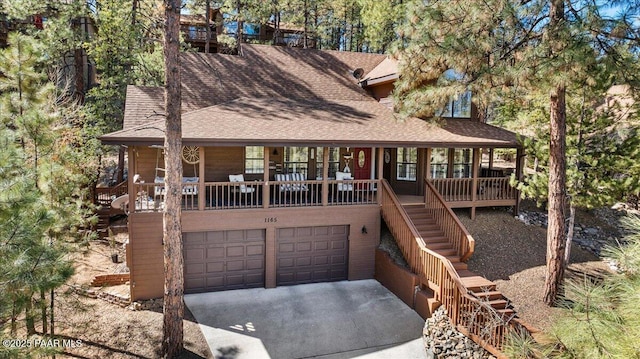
265, 178
520, 157
379, 164
202, 193
325, 175
132, 171
474, 187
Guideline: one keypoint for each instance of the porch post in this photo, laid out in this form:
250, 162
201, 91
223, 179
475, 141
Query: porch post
379, 164
325, 176
490, 158
132, 172
265, 179
520, 156
428, 175
474, 186
202, 195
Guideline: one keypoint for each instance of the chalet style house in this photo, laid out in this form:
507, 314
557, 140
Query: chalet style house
291, 160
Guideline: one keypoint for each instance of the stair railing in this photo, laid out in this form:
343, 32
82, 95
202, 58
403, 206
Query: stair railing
468, 313
449, 223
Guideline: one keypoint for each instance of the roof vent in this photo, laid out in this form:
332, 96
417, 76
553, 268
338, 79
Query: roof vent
358, 73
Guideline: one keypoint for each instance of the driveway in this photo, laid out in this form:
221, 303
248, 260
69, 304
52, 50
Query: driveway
325, 320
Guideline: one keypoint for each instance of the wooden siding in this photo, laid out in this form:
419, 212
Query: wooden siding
145, 242
146, 257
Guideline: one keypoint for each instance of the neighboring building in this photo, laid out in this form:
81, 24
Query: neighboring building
194, 30
289, 166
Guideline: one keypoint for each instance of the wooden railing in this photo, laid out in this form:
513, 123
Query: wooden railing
251, 194
449, 223
467, 312
495, 188
487, 189
105, 195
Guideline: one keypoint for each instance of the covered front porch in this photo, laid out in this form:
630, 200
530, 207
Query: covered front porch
262, 177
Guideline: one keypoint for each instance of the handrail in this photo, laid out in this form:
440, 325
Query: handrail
103, 195
453, 229
464, 309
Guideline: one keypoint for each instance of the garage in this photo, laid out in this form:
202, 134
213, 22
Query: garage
223, 260
312, 254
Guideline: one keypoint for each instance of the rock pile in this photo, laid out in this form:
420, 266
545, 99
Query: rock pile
588, 236
442, 340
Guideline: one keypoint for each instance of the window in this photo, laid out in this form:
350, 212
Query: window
459, 106
334, 161
462, 163
254, 159
439, 162
407, 164
296, 160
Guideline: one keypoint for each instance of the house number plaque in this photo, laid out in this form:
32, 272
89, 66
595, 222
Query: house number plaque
270, 219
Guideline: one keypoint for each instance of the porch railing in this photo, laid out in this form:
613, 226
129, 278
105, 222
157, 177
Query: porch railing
487, 189
251, 194
449, 223
105, 195
437, 273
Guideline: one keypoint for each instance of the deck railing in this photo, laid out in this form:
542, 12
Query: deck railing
449, 223
251, 194
487, 189
105, 195
466, 311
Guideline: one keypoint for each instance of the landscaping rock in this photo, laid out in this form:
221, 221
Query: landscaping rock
442, 340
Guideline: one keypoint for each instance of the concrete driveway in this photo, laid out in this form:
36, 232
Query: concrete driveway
327, 320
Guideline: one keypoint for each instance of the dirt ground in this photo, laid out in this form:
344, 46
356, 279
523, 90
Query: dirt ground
513, 255
108, 330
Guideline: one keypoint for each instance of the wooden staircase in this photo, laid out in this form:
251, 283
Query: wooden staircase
435, 240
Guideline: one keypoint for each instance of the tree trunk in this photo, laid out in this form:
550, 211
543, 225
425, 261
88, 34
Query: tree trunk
173, 310
306, 25
43, 309
208, 29
240, 30
572, 221
29, 317
557, 175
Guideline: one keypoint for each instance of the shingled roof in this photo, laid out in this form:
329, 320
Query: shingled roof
349, 122
285, 96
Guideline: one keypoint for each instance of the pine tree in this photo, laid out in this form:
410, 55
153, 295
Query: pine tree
173, 310
498, 47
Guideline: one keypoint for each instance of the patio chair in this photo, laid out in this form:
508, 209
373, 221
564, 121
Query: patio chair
292, 187
242, 188
344, 186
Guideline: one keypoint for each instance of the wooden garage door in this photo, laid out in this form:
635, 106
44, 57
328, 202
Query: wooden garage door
223, 260
312, 254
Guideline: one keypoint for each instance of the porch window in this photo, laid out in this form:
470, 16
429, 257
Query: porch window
462, 160
334, 161
439, 162
296, 160
254, 159
407, 164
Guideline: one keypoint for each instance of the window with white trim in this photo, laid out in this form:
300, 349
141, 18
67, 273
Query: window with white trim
254, 159
334, 161
296, 160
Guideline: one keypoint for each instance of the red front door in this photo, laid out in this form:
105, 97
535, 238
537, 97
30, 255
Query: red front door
362, 163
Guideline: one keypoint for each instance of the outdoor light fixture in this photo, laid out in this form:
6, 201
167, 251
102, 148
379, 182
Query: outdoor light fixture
275, 152
364, 230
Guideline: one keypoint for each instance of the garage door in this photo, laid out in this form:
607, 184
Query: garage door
223, 260
311, 254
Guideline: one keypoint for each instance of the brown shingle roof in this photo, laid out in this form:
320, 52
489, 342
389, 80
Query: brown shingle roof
279, 121
387, 70
263, 71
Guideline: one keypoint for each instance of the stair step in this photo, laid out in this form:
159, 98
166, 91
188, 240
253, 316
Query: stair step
433, 233
460, 266
439, 245
466, 273
434, 239
498, 304
506, 313
478, 283
489, 295
447, 252
423, 222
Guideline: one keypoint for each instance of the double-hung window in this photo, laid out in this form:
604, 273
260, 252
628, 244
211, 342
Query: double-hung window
334, 161
407, 164
296, 160
254, 159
